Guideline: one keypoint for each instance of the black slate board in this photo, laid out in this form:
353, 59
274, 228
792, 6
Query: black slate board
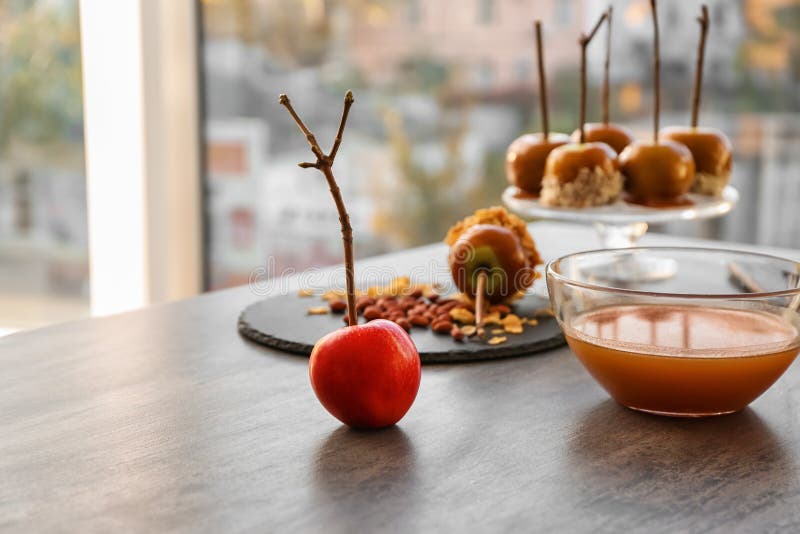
282, 323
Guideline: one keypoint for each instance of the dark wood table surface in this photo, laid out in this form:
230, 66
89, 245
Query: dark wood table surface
164, 419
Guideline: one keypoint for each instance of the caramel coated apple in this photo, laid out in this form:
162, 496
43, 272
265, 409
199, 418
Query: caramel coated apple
567, 162
526, 157
657, 174
498, 243
712, 153
580, 176
614, 135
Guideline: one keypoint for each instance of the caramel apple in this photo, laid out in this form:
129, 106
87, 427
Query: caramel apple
657, 173
712, 154
616, 136
584, 174
497, 245
527, 154
710, 148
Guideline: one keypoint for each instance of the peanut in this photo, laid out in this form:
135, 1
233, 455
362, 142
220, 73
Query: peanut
372, 312
499, 308
363, 302
442, 327
337, 306
403, 323
456, 333
419, 320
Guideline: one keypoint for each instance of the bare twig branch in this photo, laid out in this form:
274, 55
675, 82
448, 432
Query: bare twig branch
698, 75
584, 42
312, 141
656, 73
542, 80
607, 67
324, 163
348, 101
480, 296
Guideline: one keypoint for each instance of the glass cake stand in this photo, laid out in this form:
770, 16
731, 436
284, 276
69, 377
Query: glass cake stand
620, 225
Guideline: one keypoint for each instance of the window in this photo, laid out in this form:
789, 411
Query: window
437, 105
414, 12
484, 75
43, 235
563, 13
523, 71
486, 11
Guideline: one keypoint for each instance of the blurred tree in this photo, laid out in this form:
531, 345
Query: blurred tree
40, 77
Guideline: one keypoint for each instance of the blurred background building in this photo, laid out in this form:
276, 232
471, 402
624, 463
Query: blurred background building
442, 87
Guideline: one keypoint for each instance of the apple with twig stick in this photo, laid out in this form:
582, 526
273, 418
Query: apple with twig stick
711, 149
614, 135
368, 375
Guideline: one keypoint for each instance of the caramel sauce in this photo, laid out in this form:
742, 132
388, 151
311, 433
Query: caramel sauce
524, 195
683, 360
661, 203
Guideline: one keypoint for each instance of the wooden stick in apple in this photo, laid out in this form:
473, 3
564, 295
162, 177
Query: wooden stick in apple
617, 136
584, 174
711, 149
698, 75
584, 42
542, 80
607, 66
526, 155
480, 302
324, 163
658, 173
367, 376
656, 72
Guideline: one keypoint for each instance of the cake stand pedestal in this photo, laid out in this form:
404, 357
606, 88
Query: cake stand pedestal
621, 224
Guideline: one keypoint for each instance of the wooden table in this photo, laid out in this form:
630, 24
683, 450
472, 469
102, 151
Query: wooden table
165, 420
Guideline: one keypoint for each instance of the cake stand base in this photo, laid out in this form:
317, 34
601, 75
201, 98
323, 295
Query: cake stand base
629, 268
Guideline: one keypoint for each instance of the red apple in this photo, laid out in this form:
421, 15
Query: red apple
366, 376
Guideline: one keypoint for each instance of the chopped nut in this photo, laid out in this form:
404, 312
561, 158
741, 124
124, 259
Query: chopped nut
493, 318
419, 320
462, 315
364, 301
318, 310
513, 328
469, 330
334, 294
442, 327
337, 306
499, 308
456, 333
533, 322
305, 292
497, 340
372, 312
542, 312
496, 331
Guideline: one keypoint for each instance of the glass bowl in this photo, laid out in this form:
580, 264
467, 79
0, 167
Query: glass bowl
707, 340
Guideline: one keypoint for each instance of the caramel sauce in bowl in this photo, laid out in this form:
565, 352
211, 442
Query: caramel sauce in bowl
698, 344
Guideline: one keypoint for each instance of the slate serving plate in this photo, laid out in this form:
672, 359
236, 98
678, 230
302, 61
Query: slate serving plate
282, 323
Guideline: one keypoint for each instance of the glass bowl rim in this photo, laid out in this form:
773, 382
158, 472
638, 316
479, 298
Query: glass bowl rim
550, 272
